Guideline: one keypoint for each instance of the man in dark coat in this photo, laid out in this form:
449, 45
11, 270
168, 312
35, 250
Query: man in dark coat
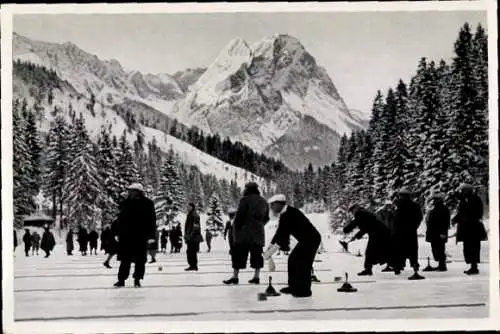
35, 242
109, 236
208, 240
192, 237
292, 222
48, 242
438, 224
385, 214
172, 236
69, 243
164, 240
27, 242
93, 239
228, 230
407, 219
136, 228
470, 228
248, 233
15, 240
378, 237
179, 239
83, 240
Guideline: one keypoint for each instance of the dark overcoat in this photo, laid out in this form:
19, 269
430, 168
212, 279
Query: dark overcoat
294, 223
438, 223
93, 238
135, 226
407, 218
250, 219
69, 242
379, 236
192, 228
48, 241
469, 219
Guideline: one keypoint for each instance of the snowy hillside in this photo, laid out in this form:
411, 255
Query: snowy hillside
271, 96
105, 116
274, 97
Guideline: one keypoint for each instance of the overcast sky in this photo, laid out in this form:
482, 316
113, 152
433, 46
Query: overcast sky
362, 52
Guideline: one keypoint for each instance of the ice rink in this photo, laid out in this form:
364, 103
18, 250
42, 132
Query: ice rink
80, 288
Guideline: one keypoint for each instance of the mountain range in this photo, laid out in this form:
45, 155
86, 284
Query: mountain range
271, 95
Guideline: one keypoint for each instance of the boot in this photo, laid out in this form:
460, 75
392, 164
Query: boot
137, 283
442, 266
366, 272
119, 284
254, 280
106, 264
472, 271
231, 281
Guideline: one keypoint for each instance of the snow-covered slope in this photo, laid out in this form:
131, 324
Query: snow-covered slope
272, 96
104, 115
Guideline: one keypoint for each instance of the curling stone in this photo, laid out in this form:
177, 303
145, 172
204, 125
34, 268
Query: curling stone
271, 291
429, 267
261, 296
346, 287
160, 268
359, 254
337, 279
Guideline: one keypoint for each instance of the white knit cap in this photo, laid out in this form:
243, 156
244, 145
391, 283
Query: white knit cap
277, 198
136, 186
231, 210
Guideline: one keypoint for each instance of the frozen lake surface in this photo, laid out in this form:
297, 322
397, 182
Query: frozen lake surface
63, 288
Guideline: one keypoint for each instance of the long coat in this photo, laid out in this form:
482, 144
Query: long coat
135, 226
468, 219
192, 228
27, 239
250, 219
93, 238
407, 218
69, 242
294, 223
83, 239
35, 239
438, 223
48, 241
377, 249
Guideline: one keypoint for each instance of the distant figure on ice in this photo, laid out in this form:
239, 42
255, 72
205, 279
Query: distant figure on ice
15, 240
35, 243
248, 233
48, 242
164, 240
438, 224
83, 240
228, 230
193, 237
110, 244
172, 236
208, 240
69, 243
27, 242
292, 222
136, 228
378, 237
407, 219
93, 240
153, 249
385, 214
470, 228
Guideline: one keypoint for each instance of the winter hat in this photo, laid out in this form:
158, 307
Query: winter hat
404, 191
465, 186
277, 198
136, 186
231, 211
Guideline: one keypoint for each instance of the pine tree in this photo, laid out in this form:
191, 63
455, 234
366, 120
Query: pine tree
214, 221
23, 203
110, 187
170, 194
83, 189
56, 162
126, 168
197, 193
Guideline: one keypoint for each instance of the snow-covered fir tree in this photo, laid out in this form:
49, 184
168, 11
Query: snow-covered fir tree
23, 203
56, 162
126, 168
83, 185
214, 220
170, 196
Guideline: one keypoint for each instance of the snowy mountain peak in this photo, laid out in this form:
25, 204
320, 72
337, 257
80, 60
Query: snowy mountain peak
261, 95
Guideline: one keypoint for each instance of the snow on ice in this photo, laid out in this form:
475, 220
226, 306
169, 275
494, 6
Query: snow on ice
80, 288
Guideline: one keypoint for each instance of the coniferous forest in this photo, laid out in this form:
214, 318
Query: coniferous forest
428, 134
